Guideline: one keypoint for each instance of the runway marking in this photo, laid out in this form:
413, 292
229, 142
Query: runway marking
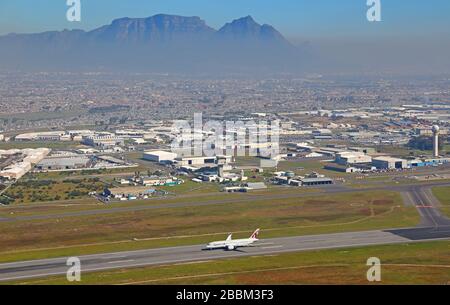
410, 200
422, 203
188, 263
113, 257
438, 232
263, 244
273, 247
417, 265
123, 261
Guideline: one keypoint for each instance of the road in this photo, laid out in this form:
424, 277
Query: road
427, 205
184, 254
327, 190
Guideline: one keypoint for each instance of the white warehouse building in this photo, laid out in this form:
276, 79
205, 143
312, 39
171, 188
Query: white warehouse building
160, 156
389, 163
352, 157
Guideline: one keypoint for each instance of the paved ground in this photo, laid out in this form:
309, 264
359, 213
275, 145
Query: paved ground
427, 205
57, 266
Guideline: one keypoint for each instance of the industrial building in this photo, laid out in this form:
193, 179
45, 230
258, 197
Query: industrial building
40, 136
159, 181
389, 163
245, 187
256, 185
102, 140
73, 135
289, 178
342, 168
22, 161
160, 156
63, 163
16, 171
352, 157
316, 181
129, 193
202, 161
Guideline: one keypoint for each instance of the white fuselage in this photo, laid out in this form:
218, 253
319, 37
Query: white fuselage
231, 244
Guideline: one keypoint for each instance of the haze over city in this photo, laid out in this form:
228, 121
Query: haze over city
331, 36
225, 144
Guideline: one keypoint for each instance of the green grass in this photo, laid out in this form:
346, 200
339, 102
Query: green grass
194, 225
443, 195
248, 161
39, 144
191, 187
27, 191
87, 204
417, 263
40, 116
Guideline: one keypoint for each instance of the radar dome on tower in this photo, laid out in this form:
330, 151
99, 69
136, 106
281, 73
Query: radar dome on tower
435, 128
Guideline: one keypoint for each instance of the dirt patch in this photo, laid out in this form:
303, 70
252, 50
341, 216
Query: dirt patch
382, 202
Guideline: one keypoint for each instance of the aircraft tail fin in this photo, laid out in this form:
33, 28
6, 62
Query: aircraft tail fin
229, 237
255, 234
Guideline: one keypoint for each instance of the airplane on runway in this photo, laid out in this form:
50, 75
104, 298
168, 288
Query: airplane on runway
232, 244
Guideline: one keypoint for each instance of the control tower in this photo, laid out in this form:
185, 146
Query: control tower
435, 130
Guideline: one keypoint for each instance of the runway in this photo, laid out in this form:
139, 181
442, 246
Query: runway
185, 254
427, 205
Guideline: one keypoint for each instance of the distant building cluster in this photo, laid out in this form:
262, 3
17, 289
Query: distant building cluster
15, 163
289, 178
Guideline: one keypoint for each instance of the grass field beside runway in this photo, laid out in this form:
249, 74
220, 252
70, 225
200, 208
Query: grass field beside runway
203, 192
443, 195
26, 240
418, 263
50, 190
29, 191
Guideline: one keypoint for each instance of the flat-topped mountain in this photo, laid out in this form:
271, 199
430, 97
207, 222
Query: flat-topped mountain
161, 43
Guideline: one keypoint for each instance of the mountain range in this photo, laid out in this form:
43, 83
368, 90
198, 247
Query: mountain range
161, 43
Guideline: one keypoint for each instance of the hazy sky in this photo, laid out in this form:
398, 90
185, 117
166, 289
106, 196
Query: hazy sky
294, 18
414, 35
